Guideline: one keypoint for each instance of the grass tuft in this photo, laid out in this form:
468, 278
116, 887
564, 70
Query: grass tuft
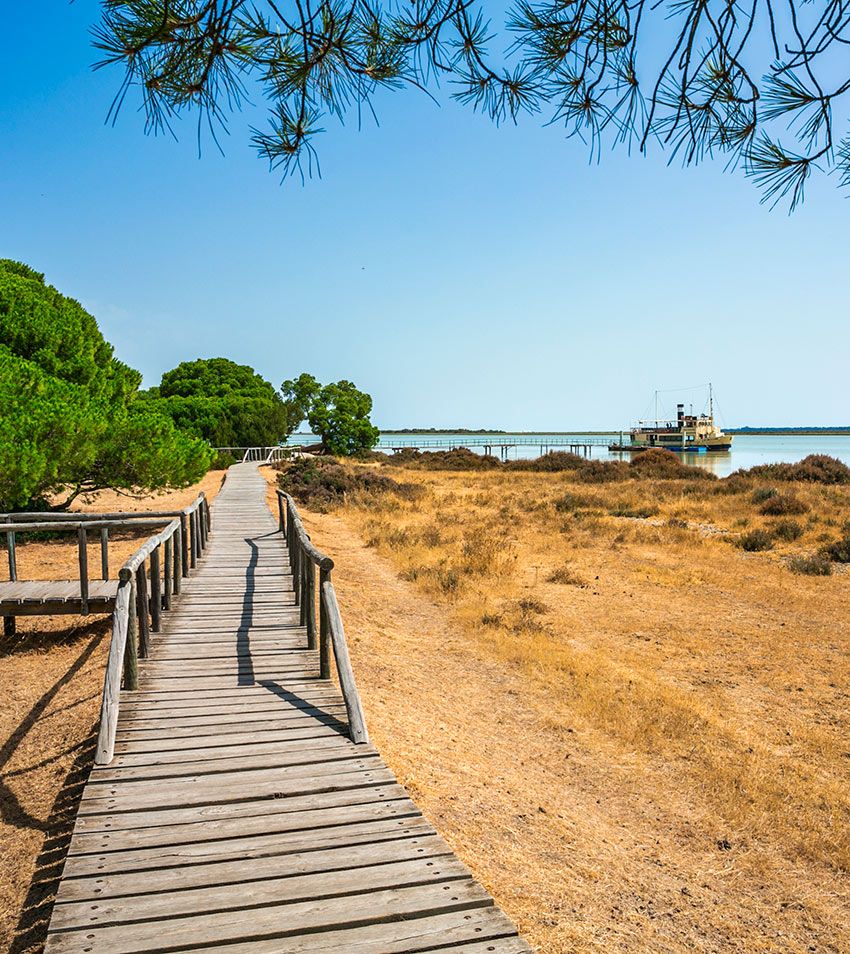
755, 541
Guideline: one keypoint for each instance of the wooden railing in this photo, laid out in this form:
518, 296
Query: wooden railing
305, 563
146, 584
84, 524
258, 455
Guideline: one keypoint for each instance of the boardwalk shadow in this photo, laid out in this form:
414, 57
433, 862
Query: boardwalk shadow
11, 810
31, 930
309, 708
245, 665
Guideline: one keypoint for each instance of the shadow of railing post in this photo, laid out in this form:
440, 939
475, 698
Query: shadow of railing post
305, 561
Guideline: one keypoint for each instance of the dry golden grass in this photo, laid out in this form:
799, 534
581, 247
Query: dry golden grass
51, 678
632, 730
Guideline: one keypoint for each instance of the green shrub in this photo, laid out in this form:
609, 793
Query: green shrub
838, 551
223, 460
762, 494
816, 469
781, 505
660, 464
459, 458
554, 461
735, 483
323, 482
569, 503
603, 471
787, 530
755, 541
815, 565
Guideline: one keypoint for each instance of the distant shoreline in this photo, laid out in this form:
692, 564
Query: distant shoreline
743, 431
755, 431
791, 431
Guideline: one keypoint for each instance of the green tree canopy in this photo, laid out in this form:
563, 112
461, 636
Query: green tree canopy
339, 413
693, 76
70, 419
225, 403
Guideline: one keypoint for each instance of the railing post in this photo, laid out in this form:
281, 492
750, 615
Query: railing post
324, 627
184, 545
302, 585
9, 624
310, 602
280, 521
131, 647
295, 569
178, 559
115, 663
83, 553
104, 553
13, 557
142, 607
167, 572
156, 591
202, 525
193, 548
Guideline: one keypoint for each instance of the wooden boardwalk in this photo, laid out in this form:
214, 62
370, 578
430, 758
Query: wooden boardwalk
237, 815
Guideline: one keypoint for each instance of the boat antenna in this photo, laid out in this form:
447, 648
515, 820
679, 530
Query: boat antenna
710, 401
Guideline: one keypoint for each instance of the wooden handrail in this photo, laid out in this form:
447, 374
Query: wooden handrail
36, 516
316, 555
305, 558
137, 612
13, 524
353, 706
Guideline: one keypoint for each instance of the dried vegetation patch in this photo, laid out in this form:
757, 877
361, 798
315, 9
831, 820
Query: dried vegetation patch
717, 676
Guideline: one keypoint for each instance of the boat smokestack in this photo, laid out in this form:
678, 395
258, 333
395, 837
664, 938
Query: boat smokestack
680, 413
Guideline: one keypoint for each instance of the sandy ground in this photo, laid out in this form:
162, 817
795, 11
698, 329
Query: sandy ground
51, 677
591, 841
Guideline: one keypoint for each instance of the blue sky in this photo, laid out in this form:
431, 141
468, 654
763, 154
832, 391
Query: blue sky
464, 275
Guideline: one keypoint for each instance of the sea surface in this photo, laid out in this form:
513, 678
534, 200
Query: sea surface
747, 449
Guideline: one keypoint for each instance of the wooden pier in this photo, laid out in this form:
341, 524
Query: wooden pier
243, 810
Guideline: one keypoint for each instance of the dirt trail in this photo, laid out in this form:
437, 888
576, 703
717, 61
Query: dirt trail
587, 846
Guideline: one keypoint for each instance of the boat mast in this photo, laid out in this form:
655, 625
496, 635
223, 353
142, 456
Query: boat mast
710, 401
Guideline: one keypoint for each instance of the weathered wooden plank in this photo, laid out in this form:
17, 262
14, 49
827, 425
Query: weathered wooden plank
331, 715
243, 871
307, 811
281, 920
136, 796
254, 773
475, 931
238, 763
156, 742
215, 899
255, 846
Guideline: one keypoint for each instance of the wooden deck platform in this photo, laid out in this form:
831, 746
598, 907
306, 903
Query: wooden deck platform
237, 815
50, 597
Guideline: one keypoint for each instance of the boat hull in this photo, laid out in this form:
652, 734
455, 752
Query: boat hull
676, 448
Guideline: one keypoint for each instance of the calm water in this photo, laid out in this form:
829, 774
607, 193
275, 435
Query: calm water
747, 450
